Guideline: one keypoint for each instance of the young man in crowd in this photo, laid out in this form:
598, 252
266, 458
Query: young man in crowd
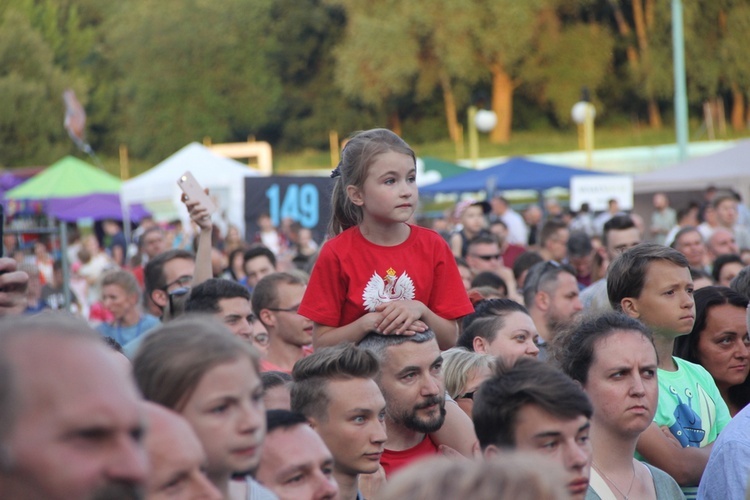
295, 464
531, 406
335, 389
620, 233
229, 302
551, 295
652, 283
553, 240
275, 300
259, 263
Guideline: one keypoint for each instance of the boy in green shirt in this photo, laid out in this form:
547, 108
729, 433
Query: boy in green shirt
652, 283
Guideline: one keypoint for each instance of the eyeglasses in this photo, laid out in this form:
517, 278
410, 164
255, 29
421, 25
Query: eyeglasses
494, 256
183, 281
292, 309
261, 339
468, 395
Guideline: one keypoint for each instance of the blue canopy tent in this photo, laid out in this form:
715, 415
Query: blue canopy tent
516, 173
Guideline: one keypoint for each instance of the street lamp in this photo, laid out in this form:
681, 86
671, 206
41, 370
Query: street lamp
583, 114
480, 120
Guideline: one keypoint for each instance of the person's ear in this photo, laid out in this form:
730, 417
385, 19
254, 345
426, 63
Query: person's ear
479, 345
267, 318
541, 300
355, 195
629, 306
313, 423
491, 451
160, 298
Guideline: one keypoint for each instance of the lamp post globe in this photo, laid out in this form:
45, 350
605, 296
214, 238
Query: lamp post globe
485, 120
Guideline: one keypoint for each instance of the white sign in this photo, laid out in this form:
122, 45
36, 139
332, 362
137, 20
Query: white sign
597, 190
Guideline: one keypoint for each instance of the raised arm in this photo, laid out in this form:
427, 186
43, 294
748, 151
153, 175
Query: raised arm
202, 218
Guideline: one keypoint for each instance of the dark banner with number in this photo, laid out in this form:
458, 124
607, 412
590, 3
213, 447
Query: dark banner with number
306, 200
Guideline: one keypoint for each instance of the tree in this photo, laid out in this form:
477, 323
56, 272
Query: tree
733, 56
31, 109
191, 69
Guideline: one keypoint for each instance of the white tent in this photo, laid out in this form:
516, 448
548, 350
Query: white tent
729, 168
225, 178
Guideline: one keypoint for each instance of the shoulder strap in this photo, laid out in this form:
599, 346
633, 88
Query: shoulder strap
600, 486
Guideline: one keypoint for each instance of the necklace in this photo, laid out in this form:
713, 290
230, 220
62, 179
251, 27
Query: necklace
626, 496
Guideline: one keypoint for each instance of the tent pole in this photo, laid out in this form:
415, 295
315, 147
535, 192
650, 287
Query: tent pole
64, 262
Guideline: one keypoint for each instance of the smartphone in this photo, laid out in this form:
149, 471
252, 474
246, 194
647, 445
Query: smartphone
194, 191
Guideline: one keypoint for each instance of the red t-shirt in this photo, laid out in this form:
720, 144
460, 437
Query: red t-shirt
352, 276
394, 460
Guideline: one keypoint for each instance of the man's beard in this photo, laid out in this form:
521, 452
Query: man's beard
119, 490
412, 421
556, 324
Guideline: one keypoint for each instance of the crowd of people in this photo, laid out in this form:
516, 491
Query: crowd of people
489, 353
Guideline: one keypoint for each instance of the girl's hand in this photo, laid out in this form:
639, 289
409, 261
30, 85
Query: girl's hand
398, 316
416, 327
370, 321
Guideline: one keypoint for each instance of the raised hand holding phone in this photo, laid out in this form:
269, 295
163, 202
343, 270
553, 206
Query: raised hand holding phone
195, 192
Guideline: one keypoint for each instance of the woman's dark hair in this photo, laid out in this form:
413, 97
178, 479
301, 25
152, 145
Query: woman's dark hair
573, 349
488, 317
686, 346
723, 260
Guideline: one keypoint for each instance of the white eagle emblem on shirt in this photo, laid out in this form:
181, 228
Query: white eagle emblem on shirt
387, 289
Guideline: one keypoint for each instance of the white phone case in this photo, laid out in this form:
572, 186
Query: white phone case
194, 191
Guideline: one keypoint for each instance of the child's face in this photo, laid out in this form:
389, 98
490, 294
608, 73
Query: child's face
473, 218
389, 194
666, 302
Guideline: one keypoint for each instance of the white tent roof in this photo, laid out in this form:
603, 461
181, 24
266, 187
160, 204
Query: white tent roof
729, 168
157, 188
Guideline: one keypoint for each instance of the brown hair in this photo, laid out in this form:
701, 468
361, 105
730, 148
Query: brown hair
311, 376
360, 151
627, 273
123, 279
172, 360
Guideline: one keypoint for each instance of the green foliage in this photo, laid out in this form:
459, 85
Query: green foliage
568, 60
156, 75
31, 86
191, 69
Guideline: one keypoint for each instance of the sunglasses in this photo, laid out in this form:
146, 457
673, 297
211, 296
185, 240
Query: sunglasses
494, 256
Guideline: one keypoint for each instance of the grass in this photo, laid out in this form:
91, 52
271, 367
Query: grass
521, 143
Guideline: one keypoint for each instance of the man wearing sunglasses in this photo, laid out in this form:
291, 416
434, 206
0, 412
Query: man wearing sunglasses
168, 277
275, 300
